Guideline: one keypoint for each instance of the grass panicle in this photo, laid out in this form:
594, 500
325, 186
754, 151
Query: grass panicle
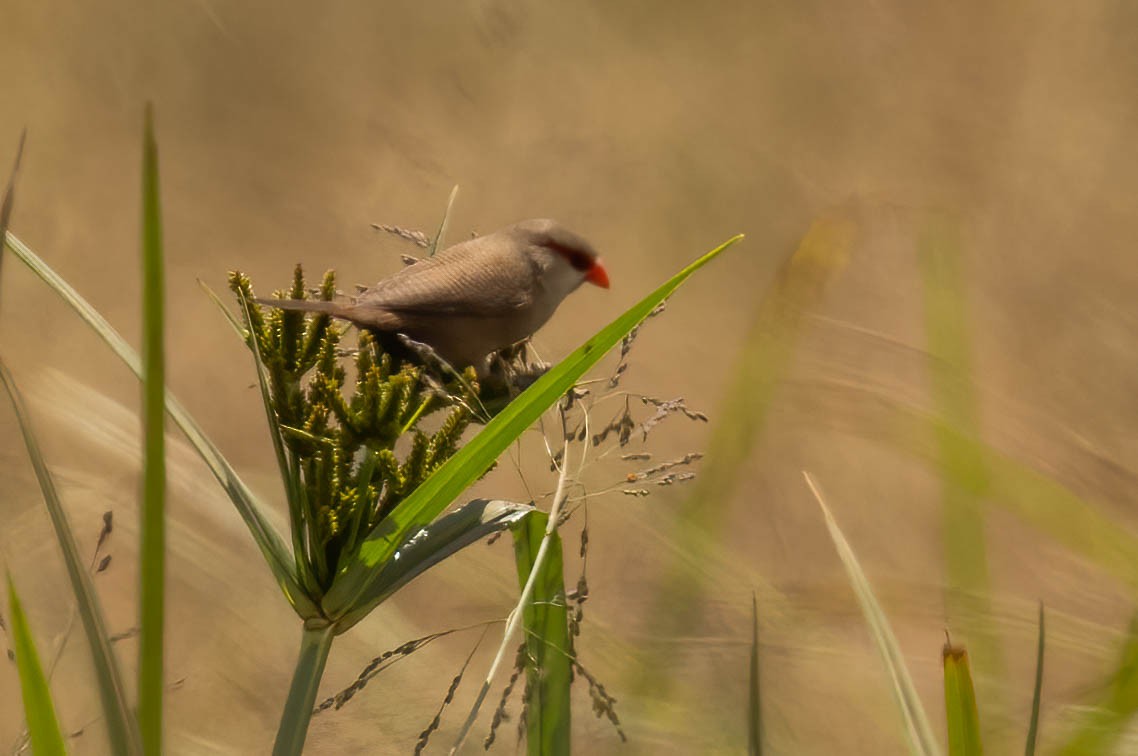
338, 441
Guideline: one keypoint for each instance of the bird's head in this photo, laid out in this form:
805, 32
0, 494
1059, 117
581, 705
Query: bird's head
565, 257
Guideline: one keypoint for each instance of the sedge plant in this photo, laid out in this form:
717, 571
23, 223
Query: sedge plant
364, 521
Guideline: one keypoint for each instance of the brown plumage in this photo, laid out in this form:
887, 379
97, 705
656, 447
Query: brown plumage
476, 297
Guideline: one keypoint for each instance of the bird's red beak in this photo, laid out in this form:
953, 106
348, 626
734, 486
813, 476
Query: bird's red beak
597, 274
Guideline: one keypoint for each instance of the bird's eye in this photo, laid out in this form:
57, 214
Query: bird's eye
579, 259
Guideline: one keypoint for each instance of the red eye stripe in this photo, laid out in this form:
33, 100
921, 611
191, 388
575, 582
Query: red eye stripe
579, 259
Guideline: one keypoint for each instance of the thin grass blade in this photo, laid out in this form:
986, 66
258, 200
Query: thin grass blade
769, 350
548, 646
121, 727
754, 708
1037, 695
440, 237
446, 536
289, 469
39, 709
152, 555
353, 593
272, 547
964, 475
10, 193
918, 733
1037, 498
960, 704
1106, 724
230, 318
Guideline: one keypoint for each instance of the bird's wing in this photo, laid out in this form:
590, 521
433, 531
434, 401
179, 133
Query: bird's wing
484, 277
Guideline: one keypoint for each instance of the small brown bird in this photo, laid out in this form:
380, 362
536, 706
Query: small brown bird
476, 297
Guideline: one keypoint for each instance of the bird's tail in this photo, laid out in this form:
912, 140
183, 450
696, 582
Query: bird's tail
335, 309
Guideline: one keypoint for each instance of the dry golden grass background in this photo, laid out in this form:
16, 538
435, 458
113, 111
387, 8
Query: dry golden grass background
656, 130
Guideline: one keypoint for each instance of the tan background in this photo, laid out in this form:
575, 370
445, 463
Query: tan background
656, 130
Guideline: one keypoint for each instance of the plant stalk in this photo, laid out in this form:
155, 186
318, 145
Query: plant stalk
515, 618
315, 643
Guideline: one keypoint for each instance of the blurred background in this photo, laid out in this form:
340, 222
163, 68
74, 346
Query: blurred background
933, 312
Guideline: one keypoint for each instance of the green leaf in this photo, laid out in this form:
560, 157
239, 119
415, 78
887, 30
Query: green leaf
353, 593
1033, 727
152, 557
780, 319
965, 478
39, 709
1105, 725
440, 237
288, 465
960, 704
230, 318
273, 549
315, 644
918, 734
116, 711
754, 709
1036, 498
548, 646
448, 535
10, 192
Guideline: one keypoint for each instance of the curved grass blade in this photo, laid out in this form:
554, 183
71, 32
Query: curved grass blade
525, 599
289, 468
10, 193
120, 723
440, 237
448, 535
754, 711
273, 549
964, 475
918, 733
1033, 727
39, 709
152, 553
548, 645
1038, 499
769, 350
234, 323
1107, 723
960, 703
353, 593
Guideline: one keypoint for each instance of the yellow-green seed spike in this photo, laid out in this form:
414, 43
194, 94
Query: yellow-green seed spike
291, 323
364, 354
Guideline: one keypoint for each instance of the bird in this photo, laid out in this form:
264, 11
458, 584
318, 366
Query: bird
477, 297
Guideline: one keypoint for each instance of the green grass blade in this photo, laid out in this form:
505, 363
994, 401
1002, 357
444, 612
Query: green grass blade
440, 237
353, 593
445, 536
10, 193
964, 474
739, 421
289, 467
230, 318
120, 723
315, 644
273, 549
1036, 498
39, 709
1103, 729
548, 646
1033, 727
152, 554
754, 709
918, 733
960, 704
